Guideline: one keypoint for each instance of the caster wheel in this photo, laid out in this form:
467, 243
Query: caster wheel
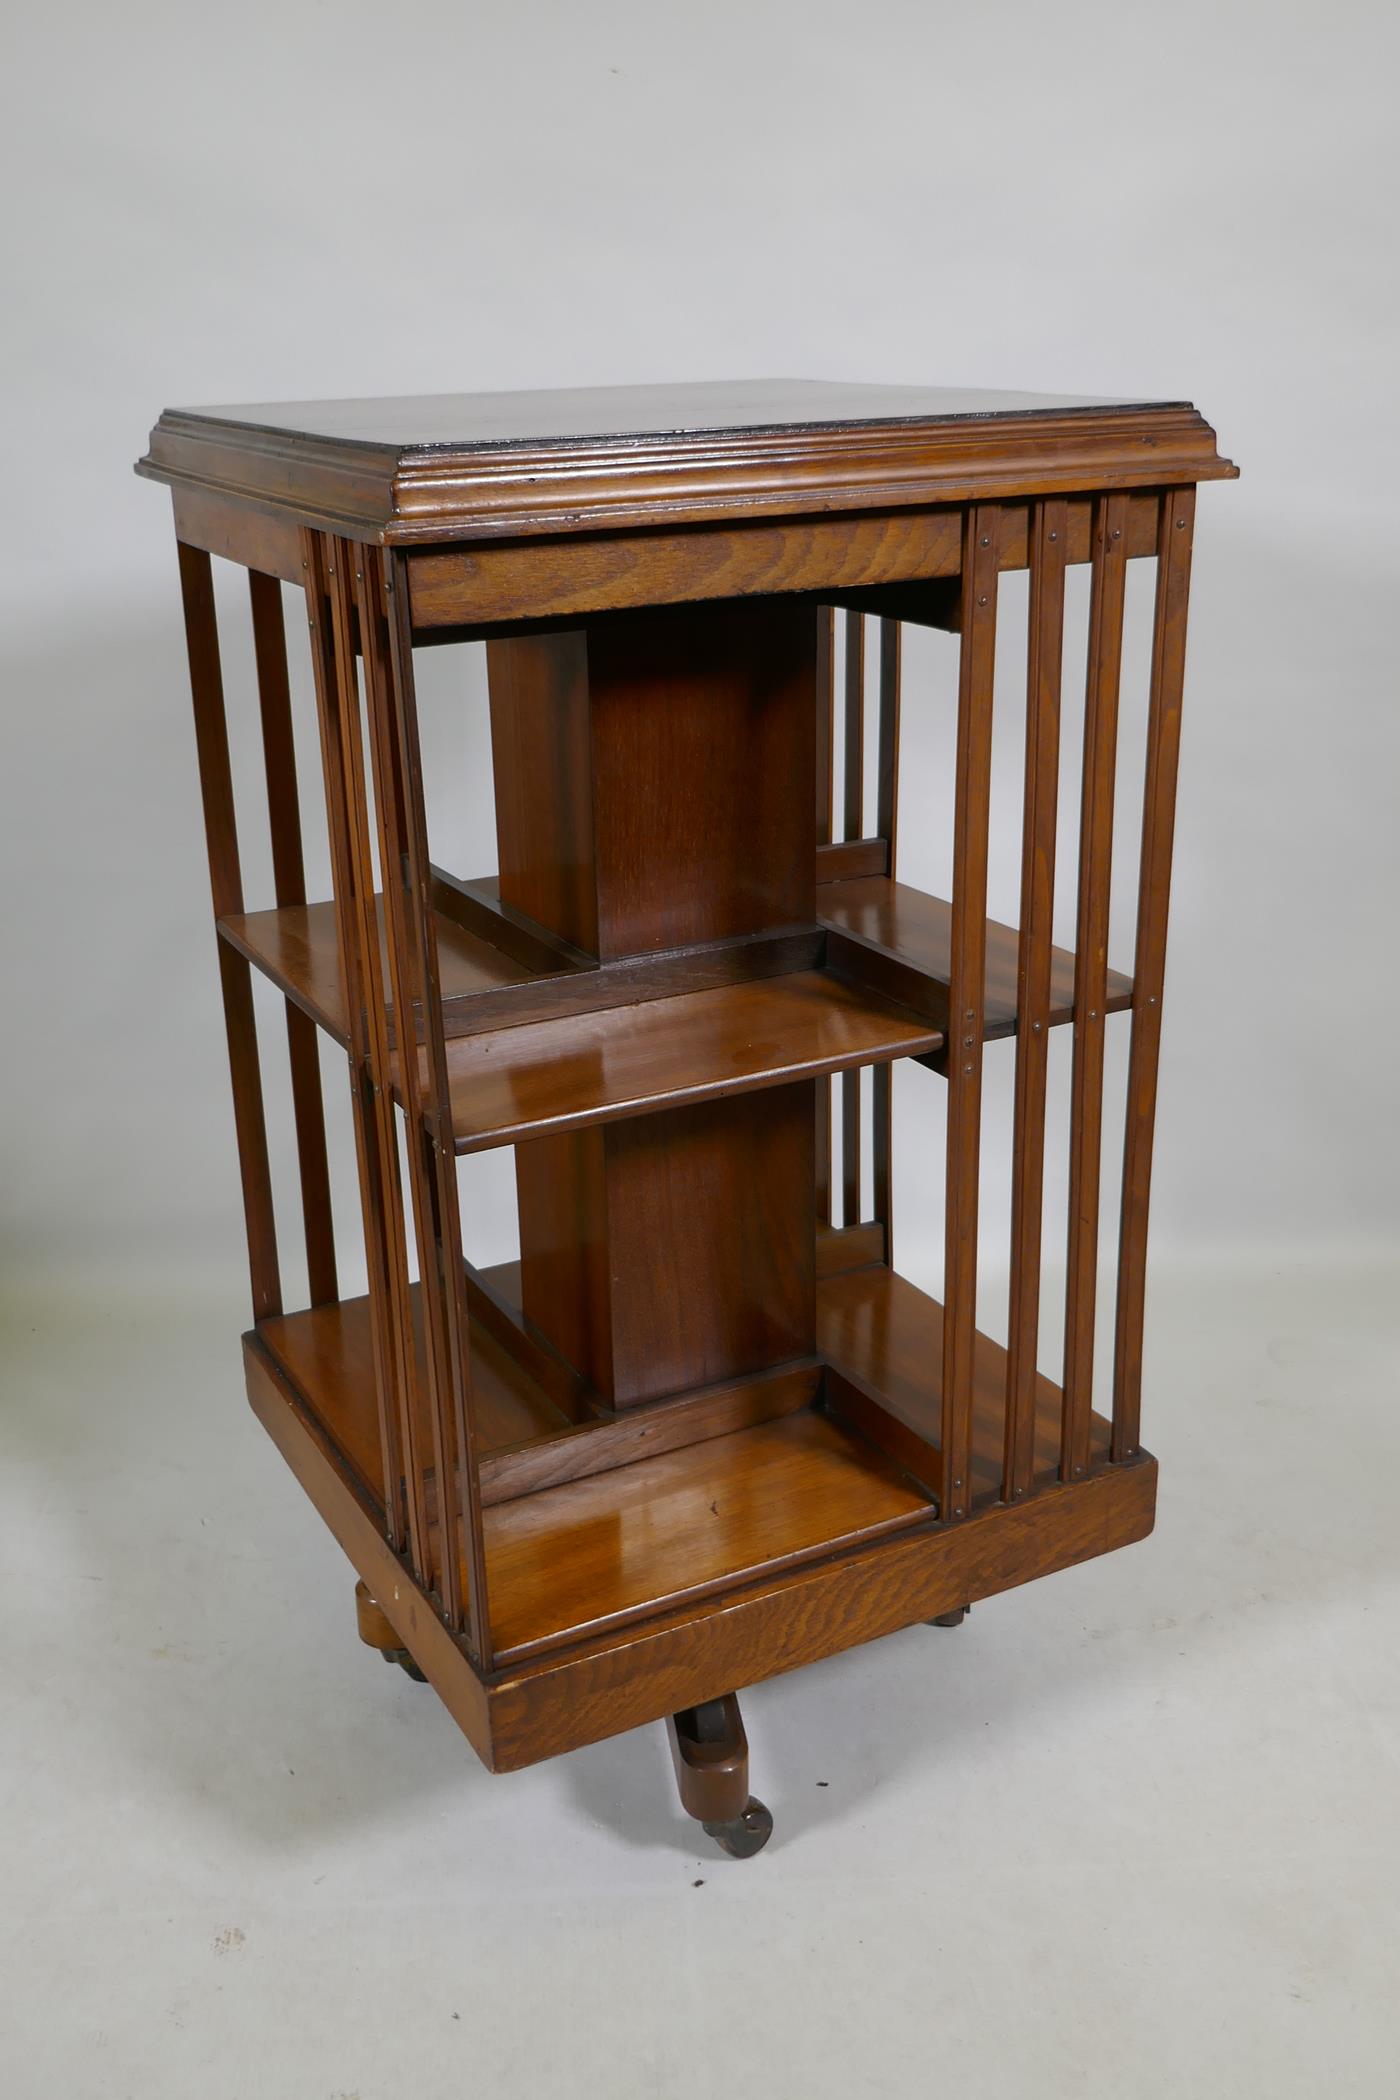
949, 1618
747, 1834
405, 1662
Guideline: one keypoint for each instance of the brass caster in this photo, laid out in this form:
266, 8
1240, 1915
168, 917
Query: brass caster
747, 1834
950, 1618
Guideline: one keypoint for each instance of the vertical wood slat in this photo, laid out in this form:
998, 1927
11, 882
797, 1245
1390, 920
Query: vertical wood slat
852, 827
434, 1130
967, 995
822, 1097
376, 1192
226, 890
887, 780
289, 884
405, 966
886, 826
1044, 654
850, 1148
1091, 972
1175, 524
882, 1150
826, 721
853, 730
825, 733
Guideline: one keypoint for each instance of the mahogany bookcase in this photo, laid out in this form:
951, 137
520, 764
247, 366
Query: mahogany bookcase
699, 1433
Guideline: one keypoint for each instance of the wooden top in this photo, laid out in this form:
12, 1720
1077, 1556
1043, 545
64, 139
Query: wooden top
462, 466
623, 414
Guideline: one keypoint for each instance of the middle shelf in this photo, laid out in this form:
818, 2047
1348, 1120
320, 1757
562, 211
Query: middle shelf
695, 1046
542, 1039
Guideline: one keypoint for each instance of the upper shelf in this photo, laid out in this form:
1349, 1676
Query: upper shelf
916, 930
297, 947
516, 1069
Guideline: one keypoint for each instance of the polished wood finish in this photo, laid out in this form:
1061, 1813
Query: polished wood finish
712, 1205
669, 1424
887, 1340
289, 885
329, 603
374, 1629
1178, 513
298, 947
967, 977
701, 1431
1041, 971
825, 673
261, 541
486, 986
429, 1139
226, 888
710, 1750
510, 580
915, 932
645, 1672
901, 564
480, 467
541, 749
1091, 976
651, 776
573, 1560
528, 1440
524, 1082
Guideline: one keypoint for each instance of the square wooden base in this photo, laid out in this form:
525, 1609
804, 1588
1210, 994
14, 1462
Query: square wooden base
698, 1648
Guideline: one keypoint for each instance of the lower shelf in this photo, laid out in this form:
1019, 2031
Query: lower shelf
574, 1559
328, 1356
886, 1337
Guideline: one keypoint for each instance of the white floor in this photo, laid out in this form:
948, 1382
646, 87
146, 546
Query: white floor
1133, 1832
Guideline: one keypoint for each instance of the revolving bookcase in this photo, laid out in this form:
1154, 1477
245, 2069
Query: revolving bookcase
702, 1431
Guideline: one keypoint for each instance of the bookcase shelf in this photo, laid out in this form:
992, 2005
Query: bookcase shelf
915, 930
698, 1046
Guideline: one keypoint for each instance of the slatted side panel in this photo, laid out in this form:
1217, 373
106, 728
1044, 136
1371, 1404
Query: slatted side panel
388, 958
388, 635
329, 609
226, 892
1116, 528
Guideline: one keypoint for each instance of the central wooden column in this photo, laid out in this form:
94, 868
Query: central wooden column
655, 784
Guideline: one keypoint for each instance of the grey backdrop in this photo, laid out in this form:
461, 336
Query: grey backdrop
284, 202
